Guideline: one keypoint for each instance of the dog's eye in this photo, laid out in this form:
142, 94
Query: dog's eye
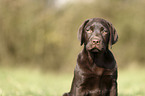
104, 32
89, 31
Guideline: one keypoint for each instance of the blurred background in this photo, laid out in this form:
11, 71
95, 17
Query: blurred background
42, 34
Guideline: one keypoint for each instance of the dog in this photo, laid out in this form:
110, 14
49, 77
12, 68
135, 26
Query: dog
96, 71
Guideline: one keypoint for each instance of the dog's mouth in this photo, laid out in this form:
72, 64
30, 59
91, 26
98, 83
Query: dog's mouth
94, 47
95, 50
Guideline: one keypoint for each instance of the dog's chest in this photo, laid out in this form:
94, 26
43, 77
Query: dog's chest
97, 70
99, 79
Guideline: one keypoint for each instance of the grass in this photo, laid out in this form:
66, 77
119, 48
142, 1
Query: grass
132, 82
26, 82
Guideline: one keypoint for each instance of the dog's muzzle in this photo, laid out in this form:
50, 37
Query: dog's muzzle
95, 44
96, 41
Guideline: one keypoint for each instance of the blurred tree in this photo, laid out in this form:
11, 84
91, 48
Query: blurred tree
37, 33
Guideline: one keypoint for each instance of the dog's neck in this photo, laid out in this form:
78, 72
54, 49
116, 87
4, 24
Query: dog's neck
99, 58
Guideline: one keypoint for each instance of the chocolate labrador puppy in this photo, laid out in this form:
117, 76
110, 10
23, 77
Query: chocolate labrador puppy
96, 70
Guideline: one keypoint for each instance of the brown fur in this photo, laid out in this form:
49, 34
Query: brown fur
96, 70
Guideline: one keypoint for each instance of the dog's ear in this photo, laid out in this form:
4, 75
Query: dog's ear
113, 35
81, 32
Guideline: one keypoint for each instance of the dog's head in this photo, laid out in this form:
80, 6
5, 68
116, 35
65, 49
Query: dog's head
96, 34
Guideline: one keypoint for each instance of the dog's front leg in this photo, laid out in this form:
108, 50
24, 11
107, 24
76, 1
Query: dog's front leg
73, 89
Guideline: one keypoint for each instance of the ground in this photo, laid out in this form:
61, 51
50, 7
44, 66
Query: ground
27, 82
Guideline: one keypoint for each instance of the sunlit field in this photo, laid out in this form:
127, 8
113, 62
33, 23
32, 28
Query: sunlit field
26, 82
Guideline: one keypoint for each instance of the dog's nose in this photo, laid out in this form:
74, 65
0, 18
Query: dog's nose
95, 41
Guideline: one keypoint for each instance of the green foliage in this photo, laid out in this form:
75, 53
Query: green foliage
37, 33
28, 82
